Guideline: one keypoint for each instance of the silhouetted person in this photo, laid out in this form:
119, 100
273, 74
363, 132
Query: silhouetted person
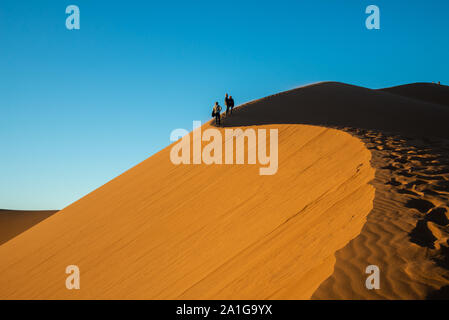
231, 103
216, 112
227, 104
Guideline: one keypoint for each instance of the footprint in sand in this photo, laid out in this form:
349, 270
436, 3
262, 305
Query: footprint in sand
442, 186
416, 183
406, 191
425, 234
421, 205
439, 216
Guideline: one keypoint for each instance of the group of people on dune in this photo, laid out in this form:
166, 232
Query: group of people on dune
216, 112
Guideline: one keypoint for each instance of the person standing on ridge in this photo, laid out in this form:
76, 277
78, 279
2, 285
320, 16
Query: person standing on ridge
231, 103
216, 112
227, 104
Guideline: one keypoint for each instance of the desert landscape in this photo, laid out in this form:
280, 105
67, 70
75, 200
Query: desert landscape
363, 179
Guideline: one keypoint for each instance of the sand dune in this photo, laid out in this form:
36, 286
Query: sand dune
166, 231
197, 231
14, 222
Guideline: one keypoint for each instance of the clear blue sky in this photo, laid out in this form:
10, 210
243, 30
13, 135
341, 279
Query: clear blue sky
80, 107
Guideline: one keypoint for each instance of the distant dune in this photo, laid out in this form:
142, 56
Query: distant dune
14, 222
362, 179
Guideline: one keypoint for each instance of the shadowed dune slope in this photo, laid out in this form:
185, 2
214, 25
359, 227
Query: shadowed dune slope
197, 231
429, 92
14, 222
343, 105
